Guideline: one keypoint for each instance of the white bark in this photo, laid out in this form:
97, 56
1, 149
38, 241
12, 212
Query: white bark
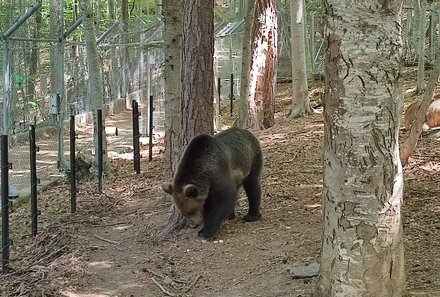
246, 58
300, 98
362, 248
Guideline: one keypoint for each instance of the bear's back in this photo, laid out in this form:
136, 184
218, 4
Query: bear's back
206, 157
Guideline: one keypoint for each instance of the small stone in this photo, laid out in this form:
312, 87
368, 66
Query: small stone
305, 271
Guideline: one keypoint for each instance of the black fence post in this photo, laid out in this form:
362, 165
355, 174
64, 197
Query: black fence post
136, 152
150, 133
33, 167
5, 203
232, 93
219, 87
100, 152
72, 165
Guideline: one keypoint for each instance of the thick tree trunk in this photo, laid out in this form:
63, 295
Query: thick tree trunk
261, 101
300, 94
197, 83
362, 245
197, 69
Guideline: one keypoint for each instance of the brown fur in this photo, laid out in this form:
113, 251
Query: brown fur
432, 117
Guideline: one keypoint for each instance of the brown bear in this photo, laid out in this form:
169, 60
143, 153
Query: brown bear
432, 119
209, 174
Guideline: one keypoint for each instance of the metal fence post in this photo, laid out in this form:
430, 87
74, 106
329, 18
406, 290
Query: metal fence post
100, 152
232, 93
5, 203
150, 133
136, 152
72, 165
33, 168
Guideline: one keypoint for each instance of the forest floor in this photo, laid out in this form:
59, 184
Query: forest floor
109, 247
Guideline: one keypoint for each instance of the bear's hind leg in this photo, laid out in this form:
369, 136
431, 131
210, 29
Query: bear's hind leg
252, 187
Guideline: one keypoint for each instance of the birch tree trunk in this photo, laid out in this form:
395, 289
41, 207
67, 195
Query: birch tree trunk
300, 94
246, 59
261, 101
95, 85
362, 245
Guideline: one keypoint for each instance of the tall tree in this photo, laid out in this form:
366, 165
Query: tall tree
362, 245
33, 61
197, 69
57, 69
172, 12
300, 95
261, 100
246, 58
197, 79
125, 53
95, 84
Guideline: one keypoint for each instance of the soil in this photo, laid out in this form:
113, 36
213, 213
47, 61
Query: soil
110, 248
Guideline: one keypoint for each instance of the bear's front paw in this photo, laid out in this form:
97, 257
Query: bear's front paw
206, 233
251, 218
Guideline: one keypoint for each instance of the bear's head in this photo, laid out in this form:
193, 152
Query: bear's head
189, 200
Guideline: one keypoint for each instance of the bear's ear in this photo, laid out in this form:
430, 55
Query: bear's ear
190, 190
167, 188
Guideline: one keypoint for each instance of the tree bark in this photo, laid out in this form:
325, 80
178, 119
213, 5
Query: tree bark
197, 69
57, 70
172, 12
261, 101
197, 84
94, 75
300, 94
362, 245
33, 63
246, 58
